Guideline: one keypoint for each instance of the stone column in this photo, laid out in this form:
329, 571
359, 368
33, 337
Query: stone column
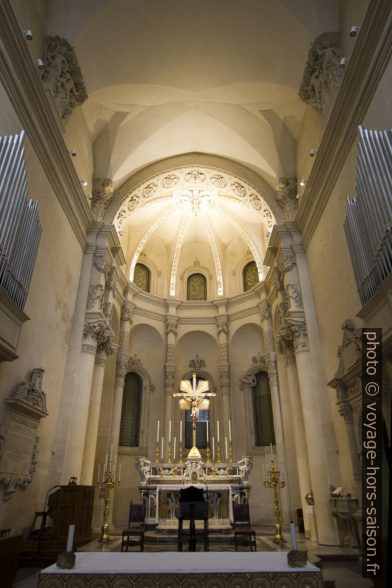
121, 370
170, 374
286, 348
95, 331
70, 386
224, 378
327, 532
104, 349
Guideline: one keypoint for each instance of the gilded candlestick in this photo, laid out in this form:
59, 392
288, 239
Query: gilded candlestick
169, 452
157, 453
273, 481
105, 488
218, 453
180, 454
208, 454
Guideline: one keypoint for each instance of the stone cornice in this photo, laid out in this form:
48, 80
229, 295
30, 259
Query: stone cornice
23, 86
365, 68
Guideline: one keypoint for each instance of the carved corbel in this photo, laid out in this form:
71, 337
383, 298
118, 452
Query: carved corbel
171, 325
222, 324
102, 196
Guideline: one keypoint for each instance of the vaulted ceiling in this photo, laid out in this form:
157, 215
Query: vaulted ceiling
173, 77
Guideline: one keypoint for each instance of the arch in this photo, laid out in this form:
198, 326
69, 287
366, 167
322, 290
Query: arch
206, 340
196, 287
252, 336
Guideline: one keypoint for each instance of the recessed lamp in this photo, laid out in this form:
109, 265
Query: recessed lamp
28, 35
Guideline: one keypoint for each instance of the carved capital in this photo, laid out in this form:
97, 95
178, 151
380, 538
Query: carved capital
121, 366
298, 330
286, 346
101, 263
286, 196
248, 381
102, 196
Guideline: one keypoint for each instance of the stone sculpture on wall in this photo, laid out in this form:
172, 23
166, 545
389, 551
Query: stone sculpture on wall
18, 433
322, 73
62, 76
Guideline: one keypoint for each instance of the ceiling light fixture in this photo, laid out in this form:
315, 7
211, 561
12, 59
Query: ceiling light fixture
302, 183
28, 35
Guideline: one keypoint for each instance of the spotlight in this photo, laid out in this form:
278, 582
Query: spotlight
84, 183
354, 31
72, 153
28, 35
302, 183
343, 62
312, 152
39, 63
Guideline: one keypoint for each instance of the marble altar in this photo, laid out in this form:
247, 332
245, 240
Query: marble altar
184, 569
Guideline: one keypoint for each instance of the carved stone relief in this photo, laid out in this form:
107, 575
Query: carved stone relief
95, 296
171, 325
294, 296
62, 76
322, 73
222, 324
102, 196
18, 433
286, 196
127, 311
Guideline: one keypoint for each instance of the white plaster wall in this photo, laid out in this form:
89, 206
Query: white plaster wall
44, 339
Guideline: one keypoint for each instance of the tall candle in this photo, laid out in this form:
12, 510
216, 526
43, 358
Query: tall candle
70, 538
99, 472
293, 536
213, 448
158, 432
169, 431
106, 463
181, 431
230, 430
227, 453
217, 430
119, 472
111, 453
208, 437
162, 448
174, 448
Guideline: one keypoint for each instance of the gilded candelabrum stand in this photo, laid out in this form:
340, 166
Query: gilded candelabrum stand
109, 482
273, 481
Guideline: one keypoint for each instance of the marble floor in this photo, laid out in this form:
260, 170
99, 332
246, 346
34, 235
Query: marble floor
338, 565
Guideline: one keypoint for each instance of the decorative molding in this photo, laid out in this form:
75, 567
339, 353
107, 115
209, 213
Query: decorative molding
18, 438
23, 85
132, 197
102, 196
62, 76
322, 74
134, 362
370, 57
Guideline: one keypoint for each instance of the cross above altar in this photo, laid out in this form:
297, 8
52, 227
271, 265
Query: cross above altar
194, 396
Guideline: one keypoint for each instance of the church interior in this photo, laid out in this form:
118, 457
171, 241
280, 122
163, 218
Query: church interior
195, 230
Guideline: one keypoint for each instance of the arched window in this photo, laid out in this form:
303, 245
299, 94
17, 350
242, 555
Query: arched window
141, 277
201, 429
196, 287
262, 411
250, 275
131, 411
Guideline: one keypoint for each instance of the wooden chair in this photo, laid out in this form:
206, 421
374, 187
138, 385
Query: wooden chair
135, 529
243, 532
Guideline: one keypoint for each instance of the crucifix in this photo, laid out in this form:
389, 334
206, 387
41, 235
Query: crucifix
194, 396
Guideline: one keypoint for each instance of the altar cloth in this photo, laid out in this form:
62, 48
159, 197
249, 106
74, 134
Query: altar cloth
183, 569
